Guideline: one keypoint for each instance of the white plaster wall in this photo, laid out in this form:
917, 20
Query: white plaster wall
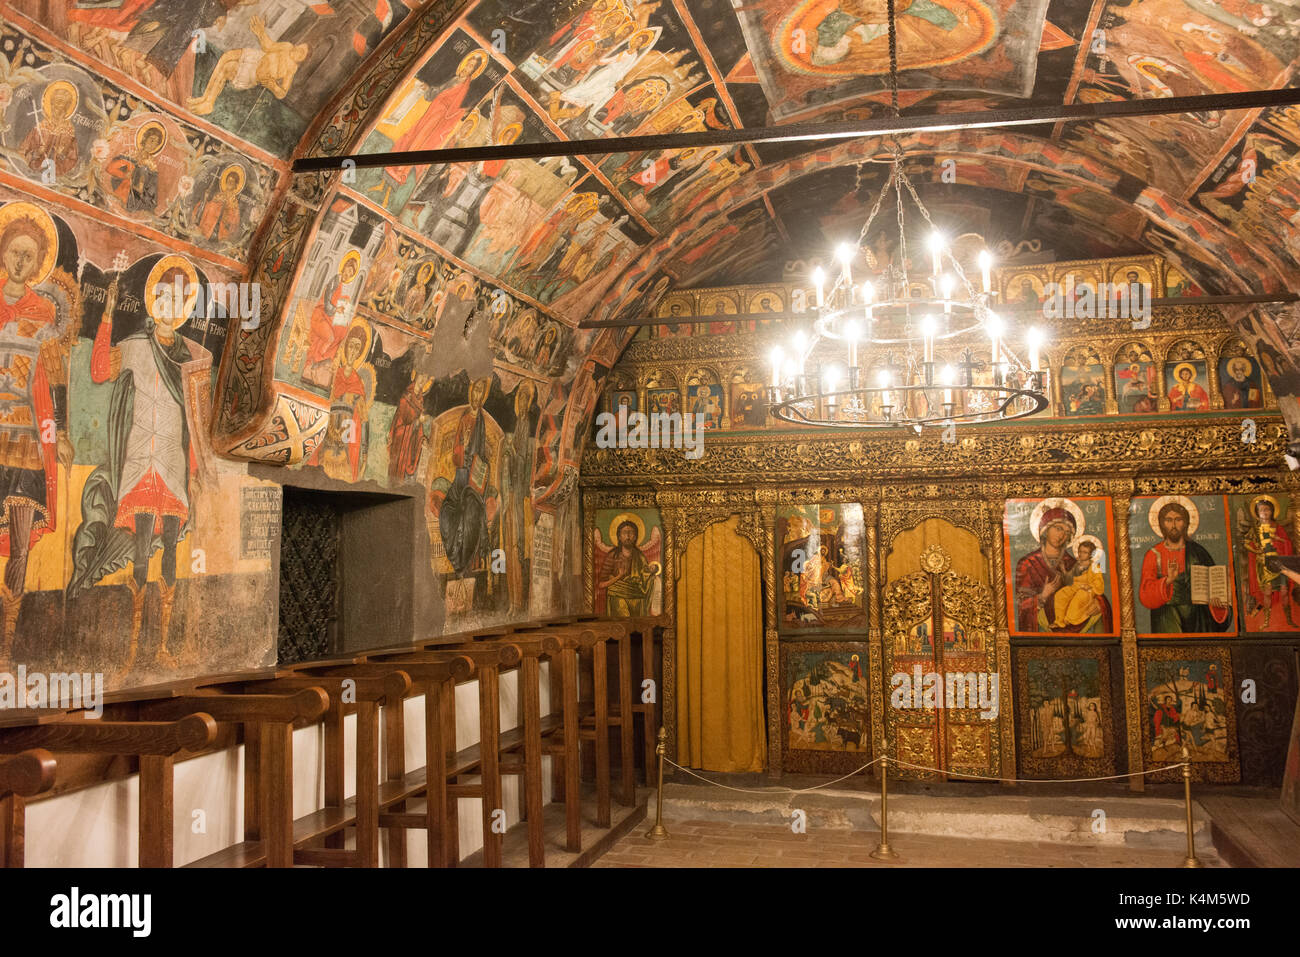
98, 826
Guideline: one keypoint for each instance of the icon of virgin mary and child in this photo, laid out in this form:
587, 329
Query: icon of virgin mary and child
1060, 586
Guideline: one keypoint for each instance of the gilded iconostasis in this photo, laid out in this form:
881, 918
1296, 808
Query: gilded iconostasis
1112, 563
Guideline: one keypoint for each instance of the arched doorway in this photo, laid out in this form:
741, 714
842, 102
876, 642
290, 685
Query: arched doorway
721, 724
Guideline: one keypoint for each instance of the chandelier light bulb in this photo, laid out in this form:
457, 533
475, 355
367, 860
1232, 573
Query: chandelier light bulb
986, 265
994, 326
947, 377
928, 329
1034, 338
844, 252
936, 249
882, 378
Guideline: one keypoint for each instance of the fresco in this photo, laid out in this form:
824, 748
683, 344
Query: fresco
260, 69
1215, 50
80, 134
1182, 565
826, 52
627, 548
821, 567
1258, 173
118, 524
1060, 567
1064, 716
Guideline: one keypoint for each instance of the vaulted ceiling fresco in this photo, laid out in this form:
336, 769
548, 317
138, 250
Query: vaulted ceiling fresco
188, 130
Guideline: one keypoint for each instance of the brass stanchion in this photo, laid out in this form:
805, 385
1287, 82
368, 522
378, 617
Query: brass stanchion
883, 851
1191, 859
659, 832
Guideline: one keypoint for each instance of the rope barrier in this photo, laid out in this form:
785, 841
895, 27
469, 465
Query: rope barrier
776, 788
883, 850
981, 777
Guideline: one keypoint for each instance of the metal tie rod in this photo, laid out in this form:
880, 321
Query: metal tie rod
815, 132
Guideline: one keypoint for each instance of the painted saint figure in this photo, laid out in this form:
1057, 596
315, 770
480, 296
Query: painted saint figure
626, 577
466, 500
410, 429
343, 452
1187, 395
1166, 579
53, 137
516, 498
331, 317
133, 178
219, 214
1045, 571
150, 453
33, 400
1269, 599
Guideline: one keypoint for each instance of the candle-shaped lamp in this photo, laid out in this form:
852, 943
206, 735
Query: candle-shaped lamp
994, 326
1035, 341
800, 348
882, 380
845, 255
868, 297
936, 250
819, 278
851, 335
986, 265
945, 286
928, 329
777, 356
947, 376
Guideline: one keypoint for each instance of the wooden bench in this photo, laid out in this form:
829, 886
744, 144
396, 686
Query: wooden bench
154, 743
22, 776
436, 679
366, 696
268, 721
444, 791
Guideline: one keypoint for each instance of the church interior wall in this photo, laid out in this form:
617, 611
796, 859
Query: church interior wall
868, 511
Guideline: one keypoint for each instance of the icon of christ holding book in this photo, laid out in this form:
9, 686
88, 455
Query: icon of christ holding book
1185, 591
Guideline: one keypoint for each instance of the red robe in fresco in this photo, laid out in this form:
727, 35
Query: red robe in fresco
23, 430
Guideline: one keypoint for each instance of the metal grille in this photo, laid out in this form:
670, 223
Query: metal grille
309, 576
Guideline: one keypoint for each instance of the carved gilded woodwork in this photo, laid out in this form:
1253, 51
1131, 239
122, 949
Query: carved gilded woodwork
902, 478
1099, 447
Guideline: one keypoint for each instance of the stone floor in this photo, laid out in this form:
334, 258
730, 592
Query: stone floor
717, 843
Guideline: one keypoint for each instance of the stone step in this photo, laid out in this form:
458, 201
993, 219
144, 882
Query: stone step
1134, 821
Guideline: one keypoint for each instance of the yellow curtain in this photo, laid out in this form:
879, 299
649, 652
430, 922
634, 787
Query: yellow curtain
720, 722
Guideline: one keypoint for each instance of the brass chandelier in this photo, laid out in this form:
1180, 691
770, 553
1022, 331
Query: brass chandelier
898, 323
